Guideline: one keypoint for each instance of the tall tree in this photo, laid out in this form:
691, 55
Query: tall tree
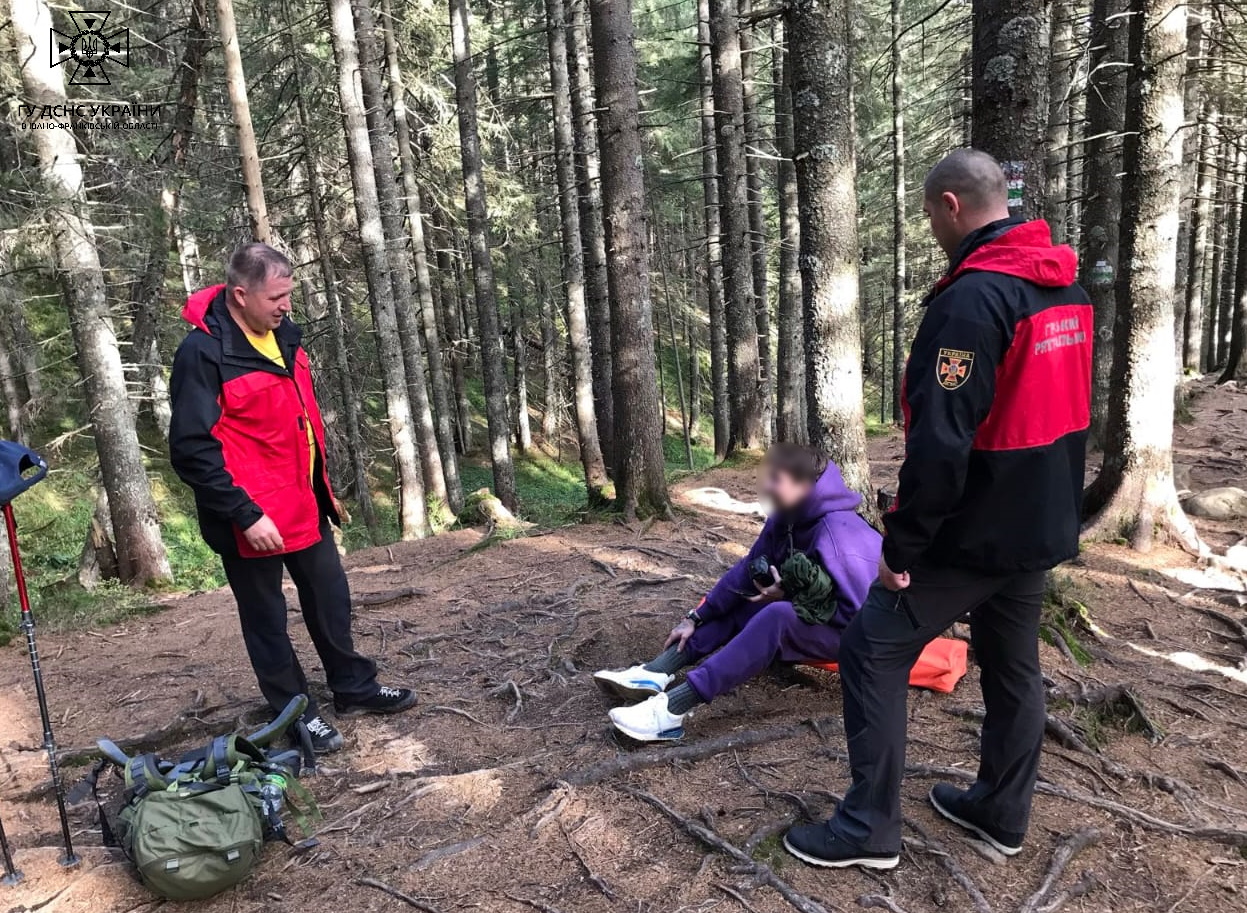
754, 173
248, 151
413, 521
1060, 83
438, 384
141, 557
398, 256
493, 366
1134, 495
716, 306
1010, 111
640, 480
1236, 315
748, 417
899, 277
791, 421
592, 228
1197, 243
573, 256
1101, 212
822, 89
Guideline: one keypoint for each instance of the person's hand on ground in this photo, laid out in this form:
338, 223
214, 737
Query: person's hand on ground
890, 579
772, 592
680, 634
262, 535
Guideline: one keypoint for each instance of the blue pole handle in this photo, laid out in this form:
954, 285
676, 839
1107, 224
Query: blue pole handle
20, 469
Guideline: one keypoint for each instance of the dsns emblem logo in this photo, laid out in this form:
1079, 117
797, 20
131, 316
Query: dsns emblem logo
91, 49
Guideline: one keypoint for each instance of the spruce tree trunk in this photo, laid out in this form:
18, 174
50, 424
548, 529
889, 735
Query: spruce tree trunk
1010, 111
1197, 248
1233, 235
716, 306
519, 349
248, 151
438, 385
640, 480
900, 280
413, 521
1134, 496
1101, 212
748, 425
1193, 128
573, 260
822, 91
460, 357
1235, 363
791, 419
1060, 80
397, 255
757, 216
141, 557
592, 228
493, 366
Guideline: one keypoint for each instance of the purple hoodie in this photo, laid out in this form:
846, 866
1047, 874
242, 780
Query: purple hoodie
827, 528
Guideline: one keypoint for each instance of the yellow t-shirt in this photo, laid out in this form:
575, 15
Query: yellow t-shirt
268, 346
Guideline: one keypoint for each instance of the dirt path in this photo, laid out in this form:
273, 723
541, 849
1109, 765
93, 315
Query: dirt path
506, 790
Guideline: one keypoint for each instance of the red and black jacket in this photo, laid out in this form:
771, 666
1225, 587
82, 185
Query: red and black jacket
239, 436
997, 402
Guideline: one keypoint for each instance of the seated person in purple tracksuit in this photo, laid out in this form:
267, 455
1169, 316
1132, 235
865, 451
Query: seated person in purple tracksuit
822, 559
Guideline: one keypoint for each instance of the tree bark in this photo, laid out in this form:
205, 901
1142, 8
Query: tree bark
1060, 81
822, 91
748, 417
578, 337
716, 306
900, 279
519, 350
1197, 249
248, 151
141, 554
1010, 112
1134, 496
1192, 129
1235, 363
791, 418
413, 520
1101, 212
1234, 222
592, 228
438, 385
640, 480
493, 367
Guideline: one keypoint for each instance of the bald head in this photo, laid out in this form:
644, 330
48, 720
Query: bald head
964, 192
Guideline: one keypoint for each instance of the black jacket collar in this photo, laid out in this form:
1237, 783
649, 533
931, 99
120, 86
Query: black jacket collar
234, 341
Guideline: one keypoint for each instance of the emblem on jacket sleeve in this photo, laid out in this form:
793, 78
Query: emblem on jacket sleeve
952, 368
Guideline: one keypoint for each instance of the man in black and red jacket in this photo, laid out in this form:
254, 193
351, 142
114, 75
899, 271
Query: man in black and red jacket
997, 405
247, 437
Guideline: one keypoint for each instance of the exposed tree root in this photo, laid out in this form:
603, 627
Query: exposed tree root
1142, 507
1117, 702
387, 596
396, 894
879, 902
1066, 850
950, 865
625, 763
761, 872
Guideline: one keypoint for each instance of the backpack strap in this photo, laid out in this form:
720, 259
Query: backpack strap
145, 774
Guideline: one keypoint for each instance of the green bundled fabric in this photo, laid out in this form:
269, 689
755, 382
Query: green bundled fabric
810, 589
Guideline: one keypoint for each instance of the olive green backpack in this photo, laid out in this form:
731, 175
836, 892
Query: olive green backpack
197, 827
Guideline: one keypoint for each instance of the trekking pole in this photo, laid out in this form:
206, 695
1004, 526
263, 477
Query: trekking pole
11, 875
16, 475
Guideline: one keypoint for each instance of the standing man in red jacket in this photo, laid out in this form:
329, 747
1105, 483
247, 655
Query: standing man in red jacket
997, 405
247, 437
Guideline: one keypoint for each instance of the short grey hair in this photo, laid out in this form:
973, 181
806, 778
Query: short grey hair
974, 177
254, 263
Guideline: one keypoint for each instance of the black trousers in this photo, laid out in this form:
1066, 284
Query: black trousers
324, 597
879, 648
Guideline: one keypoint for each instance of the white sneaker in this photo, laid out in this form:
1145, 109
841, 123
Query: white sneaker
633, 684
649, 721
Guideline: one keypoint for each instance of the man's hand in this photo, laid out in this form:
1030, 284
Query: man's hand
890, 579
773, 592
262, 535
680, 634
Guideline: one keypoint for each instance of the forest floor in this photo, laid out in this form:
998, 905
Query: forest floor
507, 791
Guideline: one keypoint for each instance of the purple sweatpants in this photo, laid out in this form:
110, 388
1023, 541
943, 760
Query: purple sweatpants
749, 640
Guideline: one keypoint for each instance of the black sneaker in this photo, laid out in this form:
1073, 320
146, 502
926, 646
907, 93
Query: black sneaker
325, 738
951, 802
817, 845
386, 700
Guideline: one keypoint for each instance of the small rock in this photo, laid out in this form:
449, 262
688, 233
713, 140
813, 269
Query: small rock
1217, 504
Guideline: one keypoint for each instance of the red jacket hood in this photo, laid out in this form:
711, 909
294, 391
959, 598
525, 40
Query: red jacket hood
1025, 251
197, 305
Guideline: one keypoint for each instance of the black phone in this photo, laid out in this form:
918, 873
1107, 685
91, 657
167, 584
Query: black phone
760, 571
